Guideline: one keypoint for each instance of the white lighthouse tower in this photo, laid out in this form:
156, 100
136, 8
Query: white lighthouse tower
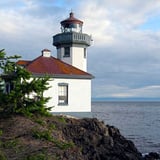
72, 43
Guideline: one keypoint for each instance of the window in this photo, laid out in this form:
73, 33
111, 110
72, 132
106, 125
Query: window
2, 85
66, 52
63, 94
8, 87
85, 54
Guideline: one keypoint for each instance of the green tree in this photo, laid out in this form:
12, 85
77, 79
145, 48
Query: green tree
25, 92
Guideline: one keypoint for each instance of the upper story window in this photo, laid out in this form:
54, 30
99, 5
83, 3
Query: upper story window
66, 52
85, 53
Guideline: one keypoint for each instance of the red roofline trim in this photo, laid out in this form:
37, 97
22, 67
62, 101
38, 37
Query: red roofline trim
53, 67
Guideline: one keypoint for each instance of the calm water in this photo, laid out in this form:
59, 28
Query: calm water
137, 121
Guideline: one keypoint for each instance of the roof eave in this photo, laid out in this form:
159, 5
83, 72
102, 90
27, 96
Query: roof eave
64, 76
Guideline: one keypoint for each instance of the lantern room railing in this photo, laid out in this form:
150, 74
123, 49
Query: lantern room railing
71, 37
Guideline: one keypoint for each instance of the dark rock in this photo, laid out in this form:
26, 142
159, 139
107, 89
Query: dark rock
152, 156
99, 141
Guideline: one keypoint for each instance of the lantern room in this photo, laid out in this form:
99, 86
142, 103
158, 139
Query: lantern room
71, 24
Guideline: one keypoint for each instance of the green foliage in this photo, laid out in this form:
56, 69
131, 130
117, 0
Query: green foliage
61, 119
1, 132
43, 135
2, 54
47, 135
39, 156
63, 145
2, 156
40, 121
42, 155
26, 96
52, 126
10, 144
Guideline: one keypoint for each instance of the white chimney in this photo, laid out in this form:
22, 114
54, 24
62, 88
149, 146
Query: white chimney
46, 53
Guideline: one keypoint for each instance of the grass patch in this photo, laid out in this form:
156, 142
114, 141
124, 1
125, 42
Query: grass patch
40, 156
61, 119
40, 121
43, 135
11, 144
46, 135
2, 156
63, 145
52, 126
44, 123
1, 132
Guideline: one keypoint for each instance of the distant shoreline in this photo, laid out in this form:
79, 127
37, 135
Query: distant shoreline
125, 100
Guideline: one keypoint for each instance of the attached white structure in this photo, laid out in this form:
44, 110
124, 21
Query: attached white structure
70, 83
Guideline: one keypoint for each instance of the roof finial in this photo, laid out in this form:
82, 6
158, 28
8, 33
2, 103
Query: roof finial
71, 13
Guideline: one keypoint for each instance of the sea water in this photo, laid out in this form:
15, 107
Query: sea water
137, 121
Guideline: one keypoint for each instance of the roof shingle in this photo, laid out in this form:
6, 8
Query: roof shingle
53, 67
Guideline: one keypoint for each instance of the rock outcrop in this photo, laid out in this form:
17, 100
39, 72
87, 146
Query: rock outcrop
99, 141
62, 138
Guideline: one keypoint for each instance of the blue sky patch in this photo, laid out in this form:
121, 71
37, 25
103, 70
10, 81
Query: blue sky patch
152, 24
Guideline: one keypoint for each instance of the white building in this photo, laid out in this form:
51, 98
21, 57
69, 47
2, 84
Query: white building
70, 83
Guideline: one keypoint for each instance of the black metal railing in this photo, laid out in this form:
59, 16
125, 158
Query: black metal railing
71, 37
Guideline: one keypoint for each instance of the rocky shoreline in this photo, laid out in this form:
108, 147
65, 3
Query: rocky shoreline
64, 138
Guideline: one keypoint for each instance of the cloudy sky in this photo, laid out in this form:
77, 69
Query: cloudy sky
125, 54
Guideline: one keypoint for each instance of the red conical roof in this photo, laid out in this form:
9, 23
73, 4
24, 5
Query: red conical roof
71, 20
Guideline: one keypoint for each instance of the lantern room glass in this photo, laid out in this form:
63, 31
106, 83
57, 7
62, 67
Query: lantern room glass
72, 27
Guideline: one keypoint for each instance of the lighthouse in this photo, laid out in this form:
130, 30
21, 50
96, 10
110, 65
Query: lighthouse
72, 43
70, 83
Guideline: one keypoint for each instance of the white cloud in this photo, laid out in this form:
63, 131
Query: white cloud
25, 34
115, 91
112, 20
